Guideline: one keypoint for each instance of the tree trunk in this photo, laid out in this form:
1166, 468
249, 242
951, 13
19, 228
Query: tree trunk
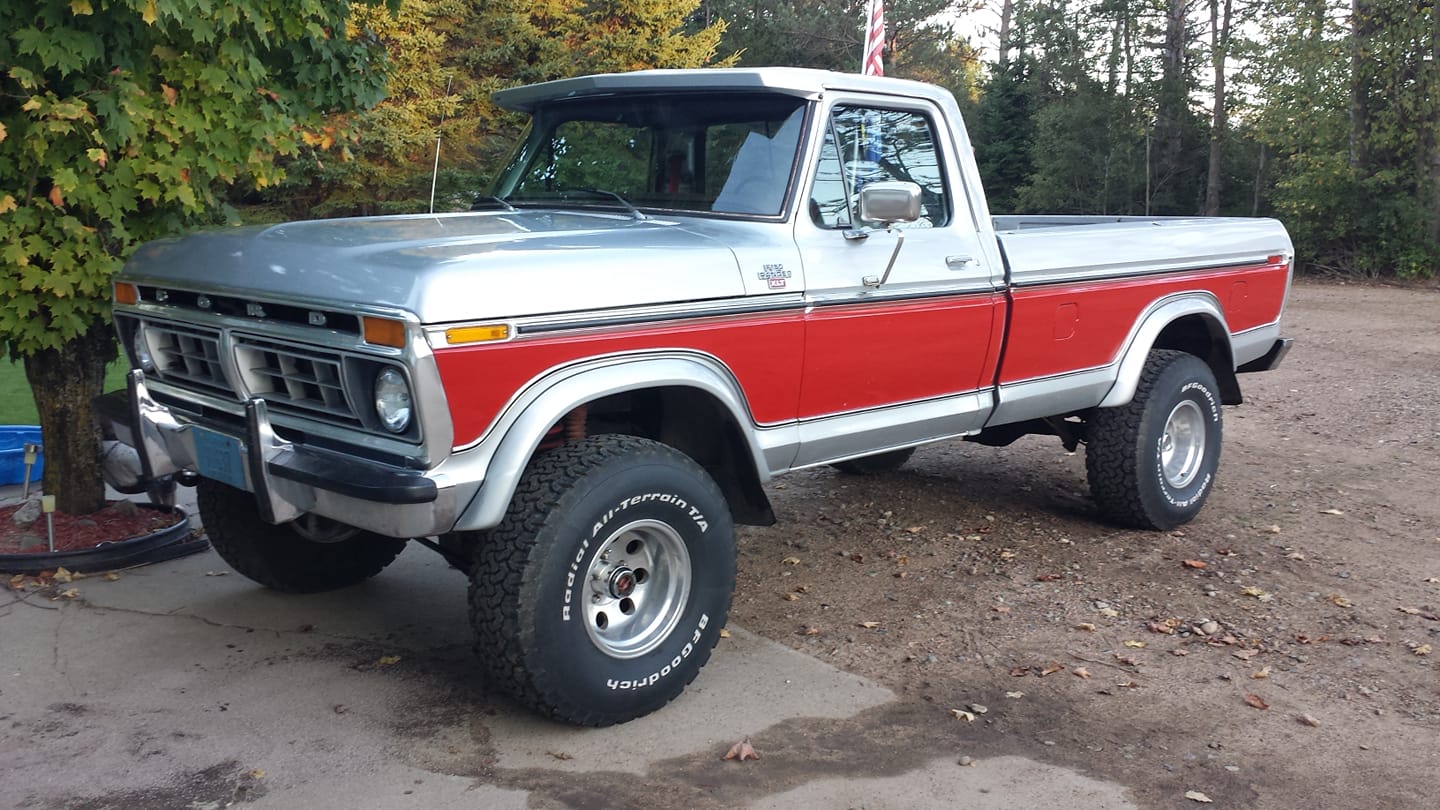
1219, 48
1007, 15
1360, 79
64, 382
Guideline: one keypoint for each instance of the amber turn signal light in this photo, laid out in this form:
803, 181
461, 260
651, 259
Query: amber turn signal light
384, 332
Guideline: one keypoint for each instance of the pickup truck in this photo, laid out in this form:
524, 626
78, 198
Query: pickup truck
682, 284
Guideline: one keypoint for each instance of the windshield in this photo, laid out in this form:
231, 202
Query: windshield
729, 153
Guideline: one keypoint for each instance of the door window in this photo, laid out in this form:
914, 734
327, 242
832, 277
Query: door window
865, 145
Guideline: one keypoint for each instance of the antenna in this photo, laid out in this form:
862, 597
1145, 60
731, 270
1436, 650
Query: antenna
435, 172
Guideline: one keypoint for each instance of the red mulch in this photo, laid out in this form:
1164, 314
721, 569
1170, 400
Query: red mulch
73, 532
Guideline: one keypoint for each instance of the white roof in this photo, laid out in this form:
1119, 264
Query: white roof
788, 80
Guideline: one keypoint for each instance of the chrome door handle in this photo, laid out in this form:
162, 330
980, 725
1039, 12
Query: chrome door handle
959, 262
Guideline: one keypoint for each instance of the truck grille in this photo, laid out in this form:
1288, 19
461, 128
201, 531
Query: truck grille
303, 378
188, 356
294, 378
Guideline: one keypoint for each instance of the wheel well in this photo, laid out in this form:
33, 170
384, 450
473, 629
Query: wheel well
697, 425
1207, 339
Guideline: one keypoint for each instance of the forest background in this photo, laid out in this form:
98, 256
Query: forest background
1324, 113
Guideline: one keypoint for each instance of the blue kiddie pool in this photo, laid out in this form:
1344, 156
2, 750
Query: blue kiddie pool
13, 439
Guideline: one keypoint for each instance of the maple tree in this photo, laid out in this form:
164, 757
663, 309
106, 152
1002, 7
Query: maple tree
118, 122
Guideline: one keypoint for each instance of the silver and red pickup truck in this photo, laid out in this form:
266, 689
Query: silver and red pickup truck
683, 284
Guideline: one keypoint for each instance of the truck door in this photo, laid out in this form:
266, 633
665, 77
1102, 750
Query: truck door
897, 363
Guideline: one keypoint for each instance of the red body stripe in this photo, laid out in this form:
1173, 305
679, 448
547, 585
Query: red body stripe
1071, 327
858, 356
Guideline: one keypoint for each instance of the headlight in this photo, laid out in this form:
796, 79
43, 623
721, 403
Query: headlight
392, 400
143, 360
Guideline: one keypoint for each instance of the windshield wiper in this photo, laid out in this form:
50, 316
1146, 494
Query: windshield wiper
600, 192
482, 200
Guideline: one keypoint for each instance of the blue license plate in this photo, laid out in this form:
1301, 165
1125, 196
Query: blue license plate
219, 457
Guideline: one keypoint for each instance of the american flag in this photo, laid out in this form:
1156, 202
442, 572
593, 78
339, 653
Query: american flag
874, 40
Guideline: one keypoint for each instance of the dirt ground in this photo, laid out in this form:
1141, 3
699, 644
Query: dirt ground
1275, 653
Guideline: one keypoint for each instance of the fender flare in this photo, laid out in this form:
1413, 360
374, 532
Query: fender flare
520, 429
1147, 331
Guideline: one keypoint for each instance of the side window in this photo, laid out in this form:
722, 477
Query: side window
865, 145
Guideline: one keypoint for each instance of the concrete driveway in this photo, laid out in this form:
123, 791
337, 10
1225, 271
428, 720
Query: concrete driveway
184, 685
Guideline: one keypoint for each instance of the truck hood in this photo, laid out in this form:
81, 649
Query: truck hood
451, 267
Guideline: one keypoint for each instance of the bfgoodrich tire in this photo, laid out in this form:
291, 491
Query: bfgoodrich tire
603, 590
307, 555
1152, 463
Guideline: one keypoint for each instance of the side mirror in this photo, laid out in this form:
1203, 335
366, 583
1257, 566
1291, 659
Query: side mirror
889, 202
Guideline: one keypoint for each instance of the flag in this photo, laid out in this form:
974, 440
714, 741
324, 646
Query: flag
874, 40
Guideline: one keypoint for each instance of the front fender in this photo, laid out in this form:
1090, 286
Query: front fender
520, 429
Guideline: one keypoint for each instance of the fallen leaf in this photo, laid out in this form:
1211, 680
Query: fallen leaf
1019, 672
1331, 512
1051, 668
216, 573
1086, 626
112, 577
62, 575
1125, 660
1049, 577
790, 561
1014, 695
1260, 674
811, 630
1409, 611
1080, 672
999, 609
1133, 644
1167, 627
257, 774
1433, 580
868, 625
1340, 601
1254, 700
71, 593
915, 529
961, 714
387, 660
742, 751
1198, 564
1294, 555
1273, 529
1422, 649
1245, 655
1251, 590
1109, 612
1179, 652
790, 597
1307, 720
724, 633
1197, 796
802, 589
1007, 554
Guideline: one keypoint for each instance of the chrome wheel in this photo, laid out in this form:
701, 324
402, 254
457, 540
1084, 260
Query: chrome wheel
1182, 446
638, 585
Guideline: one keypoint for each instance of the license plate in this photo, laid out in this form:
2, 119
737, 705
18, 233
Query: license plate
219, 457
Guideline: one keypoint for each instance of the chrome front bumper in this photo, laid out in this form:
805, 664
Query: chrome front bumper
288, 480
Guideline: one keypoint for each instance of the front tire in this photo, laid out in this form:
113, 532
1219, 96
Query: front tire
602, 592
308, 555
1151, 463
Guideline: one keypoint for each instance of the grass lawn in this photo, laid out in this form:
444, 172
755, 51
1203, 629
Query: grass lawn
17, 407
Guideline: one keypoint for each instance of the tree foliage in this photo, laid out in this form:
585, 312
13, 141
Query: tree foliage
118, 122
448, 57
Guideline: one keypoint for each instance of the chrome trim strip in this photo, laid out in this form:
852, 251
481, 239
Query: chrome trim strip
1051, 396
660, 314
1254, 343
1112, 272
837, 437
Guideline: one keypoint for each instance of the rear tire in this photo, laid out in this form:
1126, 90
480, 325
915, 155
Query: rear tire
601, 593
307, 555
1152, 462
878, 464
